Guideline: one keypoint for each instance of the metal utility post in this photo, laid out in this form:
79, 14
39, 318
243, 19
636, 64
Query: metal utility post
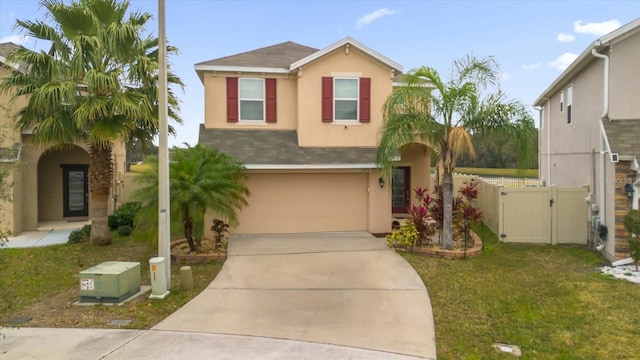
164, 218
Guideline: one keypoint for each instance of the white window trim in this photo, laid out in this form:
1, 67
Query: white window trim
357, 99
569, 104
264, 102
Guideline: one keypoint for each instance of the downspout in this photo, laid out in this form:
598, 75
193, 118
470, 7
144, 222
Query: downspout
603, 146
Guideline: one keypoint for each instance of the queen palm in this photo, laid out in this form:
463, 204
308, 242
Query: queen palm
444, 113
97, 84
200, 179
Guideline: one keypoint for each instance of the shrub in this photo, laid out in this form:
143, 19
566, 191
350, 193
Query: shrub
124, 215
407, 235
420, 217
632, 224
77, 236
86, 230
125, 230
219, 227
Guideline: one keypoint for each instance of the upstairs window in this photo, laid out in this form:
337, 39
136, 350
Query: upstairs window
569, 102
346, 99
251, 100
562, 101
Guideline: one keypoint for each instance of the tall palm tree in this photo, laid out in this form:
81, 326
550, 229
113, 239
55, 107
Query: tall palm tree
96, 84
444, 113
200, 179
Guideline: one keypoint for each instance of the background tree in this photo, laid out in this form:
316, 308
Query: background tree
444, 113
200, 179
97, 84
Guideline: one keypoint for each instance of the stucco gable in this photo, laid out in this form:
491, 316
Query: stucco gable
5, 50
280, 148
623, 136
348, 41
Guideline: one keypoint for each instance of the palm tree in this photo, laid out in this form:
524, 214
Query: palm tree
444, 113
200, 179
97, 84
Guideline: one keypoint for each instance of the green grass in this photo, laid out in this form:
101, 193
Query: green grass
42, 284
529, 173
549, 300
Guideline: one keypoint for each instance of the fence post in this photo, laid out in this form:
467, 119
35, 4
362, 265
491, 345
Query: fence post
500, 213
553, 202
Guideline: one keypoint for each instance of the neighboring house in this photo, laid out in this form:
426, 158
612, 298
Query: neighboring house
306, 123
47, 184
590, 131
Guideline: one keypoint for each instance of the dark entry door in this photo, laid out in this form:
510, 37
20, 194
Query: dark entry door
75, 190
401, 189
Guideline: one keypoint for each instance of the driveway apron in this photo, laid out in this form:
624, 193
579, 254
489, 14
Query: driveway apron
345, 289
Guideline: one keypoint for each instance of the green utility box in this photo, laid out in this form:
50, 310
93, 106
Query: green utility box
110, 282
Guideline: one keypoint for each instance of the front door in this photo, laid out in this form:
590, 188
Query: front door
75, 190
401, 190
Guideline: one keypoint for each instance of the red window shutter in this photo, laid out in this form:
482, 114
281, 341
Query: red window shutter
270, 100
365, 100
327, 99
232, 99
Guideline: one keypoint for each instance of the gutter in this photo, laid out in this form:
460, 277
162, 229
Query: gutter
604, 143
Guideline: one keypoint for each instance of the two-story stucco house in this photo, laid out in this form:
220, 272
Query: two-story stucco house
47, 185
305, 122
590, 132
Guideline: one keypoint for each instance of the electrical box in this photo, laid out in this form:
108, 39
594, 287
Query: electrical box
110, 282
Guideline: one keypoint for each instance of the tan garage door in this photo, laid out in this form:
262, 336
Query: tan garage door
293, 203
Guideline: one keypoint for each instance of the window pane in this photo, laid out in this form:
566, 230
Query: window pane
251, 89
251, 110
346, 88
346, 110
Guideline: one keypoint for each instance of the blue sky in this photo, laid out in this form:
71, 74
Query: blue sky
533, 41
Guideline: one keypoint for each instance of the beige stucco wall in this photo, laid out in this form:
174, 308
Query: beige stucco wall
311, 130
215, 97
625, 72
50, 195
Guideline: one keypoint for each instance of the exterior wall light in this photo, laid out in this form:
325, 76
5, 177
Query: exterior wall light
381, 182
628, 188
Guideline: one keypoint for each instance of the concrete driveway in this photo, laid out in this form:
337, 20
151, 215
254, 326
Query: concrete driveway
345, 289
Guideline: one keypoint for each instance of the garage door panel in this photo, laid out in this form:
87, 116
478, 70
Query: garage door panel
288, 203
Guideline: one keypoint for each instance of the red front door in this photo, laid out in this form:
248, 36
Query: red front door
401, 189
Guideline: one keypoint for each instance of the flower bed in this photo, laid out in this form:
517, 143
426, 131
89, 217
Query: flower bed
178, 254
436, 251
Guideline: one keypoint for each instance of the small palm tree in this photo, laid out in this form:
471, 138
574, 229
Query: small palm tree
200, 179
97, 84
444, 113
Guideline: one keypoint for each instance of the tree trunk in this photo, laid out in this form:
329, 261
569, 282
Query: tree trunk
447, 211
188, 233
100, 177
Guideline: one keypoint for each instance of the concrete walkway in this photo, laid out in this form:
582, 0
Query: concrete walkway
319, 296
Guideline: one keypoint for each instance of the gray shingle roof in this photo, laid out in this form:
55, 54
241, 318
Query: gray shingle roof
280, 147
276, 56
623, 136
7, 48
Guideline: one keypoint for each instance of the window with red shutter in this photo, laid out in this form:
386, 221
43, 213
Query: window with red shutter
270, 100
327, 99
365, 100
232, 99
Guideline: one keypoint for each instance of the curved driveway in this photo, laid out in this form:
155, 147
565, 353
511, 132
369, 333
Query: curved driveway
345, 289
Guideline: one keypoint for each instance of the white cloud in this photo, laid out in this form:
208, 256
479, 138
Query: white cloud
566, 38
534, 66
373, 16
563, 61
16, 39
597, 29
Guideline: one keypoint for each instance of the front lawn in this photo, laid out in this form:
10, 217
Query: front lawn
42, 284
548, 300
